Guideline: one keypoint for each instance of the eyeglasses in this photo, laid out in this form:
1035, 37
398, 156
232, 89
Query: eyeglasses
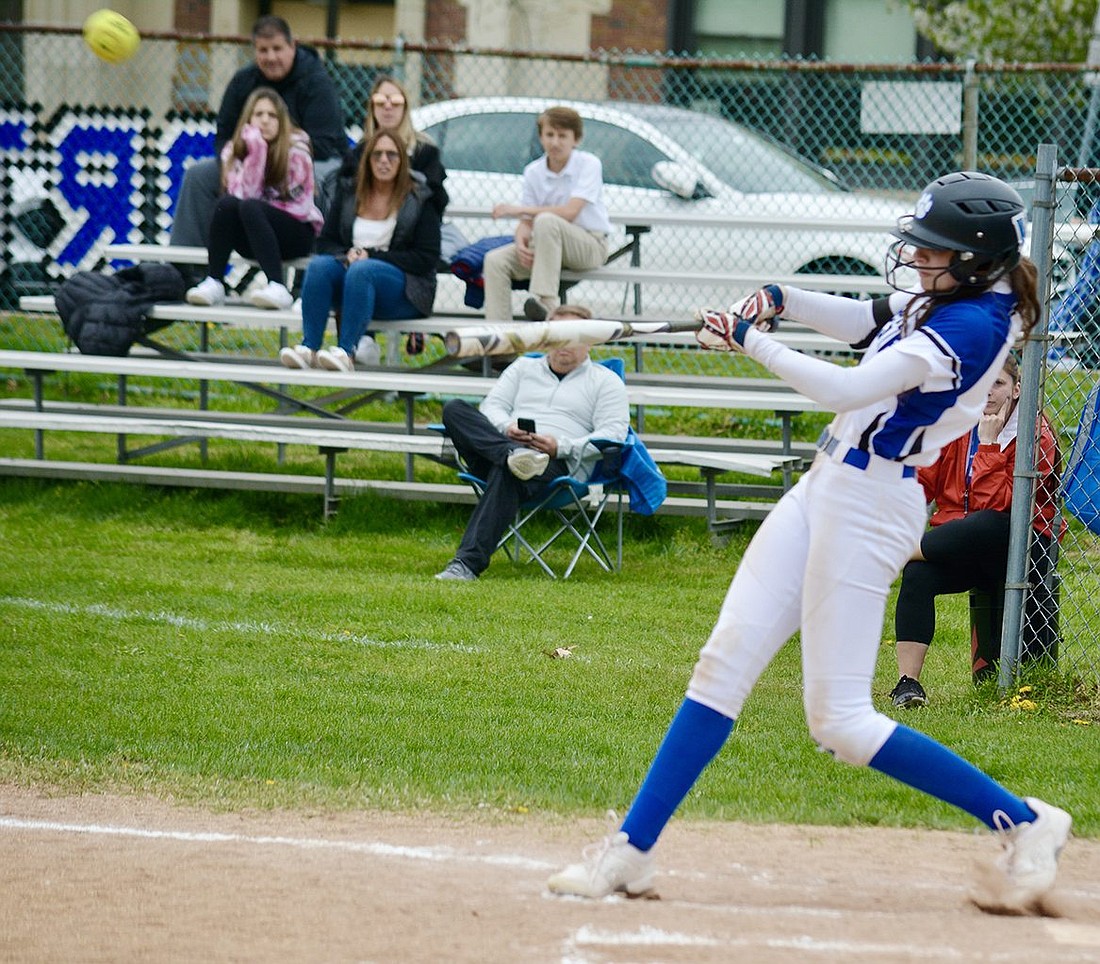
388, 155
393, 100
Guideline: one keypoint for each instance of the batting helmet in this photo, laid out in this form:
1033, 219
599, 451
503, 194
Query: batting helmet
974, 214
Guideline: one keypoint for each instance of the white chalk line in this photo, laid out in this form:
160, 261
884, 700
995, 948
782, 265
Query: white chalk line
162, 617
646, 936
370, 848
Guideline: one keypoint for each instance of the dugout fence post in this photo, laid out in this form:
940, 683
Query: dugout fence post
1031, 368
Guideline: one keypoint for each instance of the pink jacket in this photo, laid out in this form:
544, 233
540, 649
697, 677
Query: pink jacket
244, 178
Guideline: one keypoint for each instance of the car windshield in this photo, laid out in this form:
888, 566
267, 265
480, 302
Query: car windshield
745, 161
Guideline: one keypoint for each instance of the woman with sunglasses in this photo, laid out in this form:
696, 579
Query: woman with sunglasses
377, 255
388, 107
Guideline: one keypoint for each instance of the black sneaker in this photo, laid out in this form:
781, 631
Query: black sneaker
534, 310
908, 693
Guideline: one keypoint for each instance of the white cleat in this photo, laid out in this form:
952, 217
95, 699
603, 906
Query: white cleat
1025, 872
613, 866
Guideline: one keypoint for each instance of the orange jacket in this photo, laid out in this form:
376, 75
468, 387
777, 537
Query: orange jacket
990, 480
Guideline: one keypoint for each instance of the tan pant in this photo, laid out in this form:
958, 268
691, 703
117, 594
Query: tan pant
558, 244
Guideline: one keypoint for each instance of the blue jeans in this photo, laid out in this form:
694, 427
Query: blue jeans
363, 291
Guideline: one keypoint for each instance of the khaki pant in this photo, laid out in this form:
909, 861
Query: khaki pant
558, 244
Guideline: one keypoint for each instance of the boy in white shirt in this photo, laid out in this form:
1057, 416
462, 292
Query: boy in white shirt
563, 222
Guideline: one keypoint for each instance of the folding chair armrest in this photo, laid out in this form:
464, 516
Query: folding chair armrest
611, 461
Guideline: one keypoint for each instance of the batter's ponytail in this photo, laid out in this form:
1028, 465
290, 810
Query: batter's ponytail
1024, 279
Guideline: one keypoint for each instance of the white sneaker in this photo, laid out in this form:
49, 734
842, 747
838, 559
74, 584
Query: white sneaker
336, 360
368, 351
525, 464
272, 295
1026, 870
298, 357
615, 865
209, 291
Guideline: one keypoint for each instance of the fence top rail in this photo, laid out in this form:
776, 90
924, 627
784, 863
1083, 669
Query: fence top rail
605, 57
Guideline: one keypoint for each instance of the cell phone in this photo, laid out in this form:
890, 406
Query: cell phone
526, 425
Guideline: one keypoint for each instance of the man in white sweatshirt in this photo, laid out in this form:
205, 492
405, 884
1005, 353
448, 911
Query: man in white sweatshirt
570, 402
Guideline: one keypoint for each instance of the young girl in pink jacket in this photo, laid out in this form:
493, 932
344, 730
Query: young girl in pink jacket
267, 211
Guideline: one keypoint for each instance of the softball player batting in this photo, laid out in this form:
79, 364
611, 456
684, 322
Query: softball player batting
825, 557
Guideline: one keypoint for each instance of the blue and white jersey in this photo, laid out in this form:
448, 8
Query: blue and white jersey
956, 354
964, 345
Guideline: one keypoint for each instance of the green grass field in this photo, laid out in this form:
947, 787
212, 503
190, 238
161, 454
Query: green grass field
232, 650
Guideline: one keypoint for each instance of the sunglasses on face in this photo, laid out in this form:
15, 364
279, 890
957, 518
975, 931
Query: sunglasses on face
388, 155
392, 100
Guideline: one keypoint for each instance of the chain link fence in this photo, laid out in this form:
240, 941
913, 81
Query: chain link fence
95, 153
92, 154
1059, 616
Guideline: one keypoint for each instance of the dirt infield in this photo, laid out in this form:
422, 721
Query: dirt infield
99, 878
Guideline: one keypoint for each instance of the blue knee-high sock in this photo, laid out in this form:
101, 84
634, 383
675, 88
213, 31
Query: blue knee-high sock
922, 763
695, 735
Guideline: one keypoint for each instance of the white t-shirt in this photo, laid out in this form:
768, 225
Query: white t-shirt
372, 234
581, 177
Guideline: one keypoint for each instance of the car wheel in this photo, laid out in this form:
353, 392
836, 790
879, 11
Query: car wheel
841, 264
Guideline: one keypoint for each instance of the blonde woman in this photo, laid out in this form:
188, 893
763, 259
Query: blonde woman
378, 254
388, 106
267, 211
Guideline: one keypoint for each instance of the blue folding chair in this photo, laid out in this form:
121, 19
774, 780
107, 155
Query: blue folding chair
576, 506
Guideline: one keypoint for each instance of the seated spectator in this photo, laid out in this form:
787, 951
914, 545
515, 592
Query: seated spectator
388, 106
378, 253
571, 402
298, 76
967, 545
562, 221
267, 211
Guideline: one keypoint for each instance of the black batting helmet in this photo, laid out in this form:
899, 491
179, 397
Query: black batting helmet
974, 214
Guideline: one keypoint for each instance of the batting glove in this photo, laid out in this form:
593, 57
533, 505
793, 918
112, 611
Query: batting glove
762, 308
720, 331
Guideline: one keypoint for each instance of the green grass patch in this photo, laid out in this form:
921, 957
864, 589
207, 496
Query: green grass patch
230, 649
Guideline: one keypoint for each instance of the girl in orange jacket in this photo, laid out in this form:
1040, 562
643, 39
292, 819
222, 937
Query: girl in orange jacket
967, 545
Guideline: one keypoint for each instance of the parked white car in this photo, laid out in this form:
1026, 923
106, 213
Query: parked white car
671, 161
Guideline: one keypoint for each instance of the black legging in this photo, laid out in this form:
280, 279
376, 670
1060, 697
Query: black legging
257, 230
964, 554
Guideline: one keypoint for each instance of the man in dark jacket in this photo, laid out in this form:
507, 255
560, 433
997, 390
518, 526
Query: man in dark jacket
297, 74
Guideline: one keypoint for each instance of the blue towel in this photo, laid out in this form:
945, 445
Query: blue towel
468, 265
645, 483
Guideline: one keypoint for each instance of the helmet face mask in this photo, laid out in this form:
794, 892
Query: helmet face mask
977, 216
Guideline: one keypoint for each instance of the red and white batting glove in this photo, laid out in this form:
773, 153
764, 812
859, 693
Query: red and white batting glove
762, 308
720, 330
